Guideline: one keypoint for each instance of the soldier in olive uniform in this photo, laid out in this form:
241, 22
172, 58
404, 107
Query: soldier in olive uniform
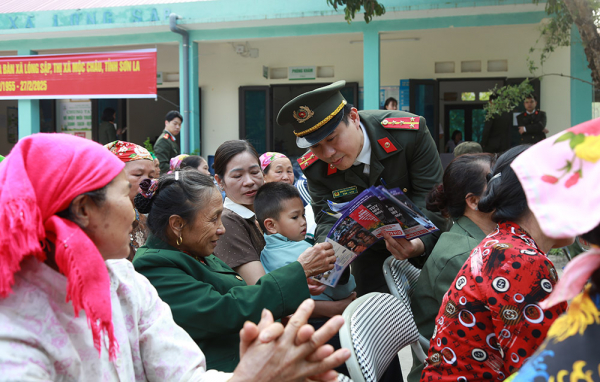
167, 147
352, 150
532, 123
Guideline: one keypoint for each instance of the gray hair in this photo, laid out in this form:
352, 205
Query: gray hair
183, 193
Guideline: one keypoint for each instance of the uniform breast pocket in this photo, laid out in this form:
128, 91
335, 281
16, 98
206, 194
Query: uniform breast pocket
402, 181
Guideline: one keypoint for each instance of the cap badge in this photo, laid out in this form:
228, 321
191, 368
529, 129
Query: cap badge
304, 114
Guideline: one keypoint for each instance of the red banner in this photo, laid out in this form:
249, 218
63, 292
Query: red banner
126, 74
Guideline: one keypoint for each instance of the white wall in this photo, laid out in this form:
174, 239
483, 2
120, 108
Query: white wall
416, 59
222, 71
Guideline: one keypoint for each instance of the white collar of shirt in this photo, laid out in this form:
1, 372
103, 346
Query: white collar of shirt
238, 208
365, 154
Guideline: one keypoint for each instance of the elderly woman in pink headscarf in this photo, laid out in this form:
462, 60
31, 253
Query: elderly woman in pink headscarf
561, 178
63, 238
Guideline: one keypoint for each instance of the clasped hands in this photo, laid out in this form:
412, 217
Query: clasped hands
270, 352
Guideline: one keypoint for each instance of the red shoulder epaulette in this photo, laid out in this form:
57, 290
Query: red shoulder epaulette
405, 123
307, 159
166, 136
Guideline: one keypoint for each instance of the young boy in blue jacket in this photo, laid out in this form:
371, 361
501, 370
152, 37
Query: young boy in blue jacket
280, 213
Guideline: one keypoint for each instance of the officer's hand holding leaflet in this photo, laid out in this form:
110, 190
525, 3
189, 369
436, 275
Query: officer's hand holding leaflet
403, 249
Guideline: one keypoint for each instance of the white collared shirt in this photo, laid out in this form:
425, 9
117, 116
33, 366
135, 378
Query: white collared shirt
238, 208
365, 154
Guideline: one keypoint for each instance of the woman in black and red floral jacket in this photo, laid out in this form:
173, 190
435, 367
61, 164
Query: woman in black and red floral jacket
490, 320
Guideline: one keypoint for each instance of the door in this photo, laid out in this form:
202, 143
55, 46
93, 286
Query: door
466, 119
424, 101
255, 116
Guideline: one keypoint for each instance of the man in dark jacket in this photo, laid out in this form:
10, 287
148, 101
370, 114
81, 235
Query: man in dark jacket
352, 150
167, 147
496, 137
532, 122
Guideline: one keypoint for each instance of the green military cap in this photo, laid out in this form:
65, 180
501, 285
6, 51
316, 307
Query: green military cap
467, 147
315, 114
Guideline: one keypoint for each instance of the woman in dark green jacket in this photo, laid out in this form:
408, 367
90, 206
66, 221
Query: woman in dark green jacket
457, 197
208, 299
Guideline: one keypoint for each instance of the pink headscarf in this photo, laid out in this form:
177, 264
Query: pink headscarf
561, 178
269, 157
32, 190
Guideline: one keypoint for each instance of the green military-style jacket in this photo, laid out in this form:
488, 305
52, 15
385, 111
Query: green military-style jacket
448, 257
165, 148
403, 157
211, 302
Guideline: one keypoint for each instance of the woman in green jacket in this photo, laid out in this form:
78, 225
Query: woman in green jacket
208, 299
457, 197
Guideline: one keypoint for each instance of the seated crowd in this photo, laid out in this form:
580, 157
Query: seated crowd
196, 288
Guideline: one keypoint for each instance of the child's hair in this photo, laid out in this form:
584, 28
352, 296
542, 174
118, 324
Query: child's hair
269, 199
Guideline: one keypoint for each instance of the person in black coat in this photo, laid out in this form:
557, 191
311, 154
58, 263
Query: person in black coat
532, 122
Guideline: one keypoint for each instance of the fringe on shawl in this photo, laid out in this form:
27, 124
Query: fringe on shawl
22, 234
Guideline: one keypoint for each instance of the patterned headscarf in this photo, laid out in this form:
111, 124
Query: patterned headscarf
176, 162
561, 178
269, 157
127, 151
32, 191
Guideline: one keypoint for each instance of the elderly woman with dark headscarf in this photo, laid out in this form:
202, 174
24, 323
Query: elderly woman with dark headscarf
139, 166
490, 319
63, 239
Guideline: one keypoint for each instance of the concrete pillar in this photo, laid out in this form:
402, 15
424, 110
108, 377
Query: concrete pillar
182, 94
194, 122
582, 94
371, 53
29, 109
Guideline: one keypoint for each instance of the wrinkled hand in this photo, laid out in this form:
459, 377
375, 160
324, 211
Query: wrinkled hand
403, 249
317, 259
291, 354
315, 288
521, 129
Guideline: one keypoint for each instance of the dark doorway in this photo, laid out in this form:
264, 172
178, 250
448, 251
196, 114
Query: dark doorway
424, 101
259, 106
468, 119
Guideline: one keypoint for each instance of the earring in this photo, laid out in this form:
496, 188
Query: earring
180, 240
476, 208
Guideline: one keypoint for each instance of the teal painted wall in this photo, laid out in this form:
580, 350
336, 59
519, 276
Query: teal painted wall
205, 12
371, 59
581, 93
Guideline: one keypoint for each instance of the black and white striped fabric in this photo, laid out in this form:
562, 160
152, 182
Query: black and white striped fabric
404, 277
343, 378
380, 327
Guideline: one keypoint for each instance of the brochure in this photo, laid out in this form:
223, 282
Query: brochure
362, 222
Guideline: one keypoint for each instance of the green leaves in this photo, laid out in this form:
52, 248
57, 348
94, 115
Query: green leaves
574, 139
565, 137
371, 8
577, 140
509, 96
